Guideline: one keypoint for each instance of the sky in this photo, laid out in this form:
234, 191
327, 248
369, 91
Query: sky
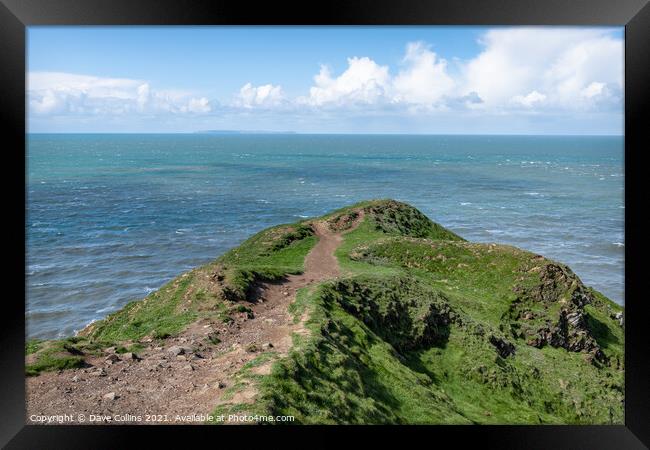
415, 80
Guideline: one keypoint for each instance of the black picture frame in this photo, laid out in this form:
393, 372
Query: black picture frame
16, 15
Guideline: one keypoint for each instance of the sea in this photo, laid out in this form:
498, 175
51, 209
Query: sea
112, 217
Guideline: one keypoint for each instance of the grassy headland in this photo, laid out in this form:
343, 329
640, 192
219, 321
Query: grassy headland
424, 327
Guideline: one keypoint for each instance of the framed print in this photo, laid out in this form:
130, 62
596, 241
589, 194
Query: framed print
418, 217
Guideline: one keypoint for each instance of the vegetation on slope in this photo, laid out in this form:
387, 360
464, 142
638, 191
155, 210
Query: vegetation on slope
210, 291
440, 330
424, 327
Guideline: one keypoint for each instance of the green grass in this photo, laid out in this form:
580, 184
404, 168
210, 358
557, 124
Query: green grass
133, 348
480, 276
351, 371
52, 362
158, 314
32, 346
58, 354
345, 373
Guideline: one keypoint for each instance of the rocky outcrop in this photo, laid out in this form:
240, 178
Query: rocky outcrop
557, 283
571, 333
401, 310
504, 348
558, 289
343, 221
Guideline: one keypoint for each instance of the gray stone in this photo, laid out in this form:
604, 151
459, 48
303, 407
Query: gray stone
176, 350
110, 396
112, 358
130, 356
619, 316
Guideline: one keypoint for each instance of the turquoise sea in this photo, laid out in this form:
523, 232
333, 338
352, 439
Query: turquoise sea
112, 217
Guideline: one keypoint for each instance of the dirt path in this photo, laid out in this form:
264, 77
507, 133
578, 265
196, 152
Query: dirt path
168, 386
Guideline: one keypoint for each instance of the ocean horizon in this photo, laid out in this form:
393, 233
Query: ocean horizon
112, 217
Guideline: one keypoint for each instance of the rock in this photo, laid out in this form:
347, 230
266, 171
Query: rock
504, 348
131, 357
112, 358
268, 345
101, 372
619, 316
188, 367
575, 319
176, 350
110, 396
196, 356
180, 357
75, 378
572, 334
110, 350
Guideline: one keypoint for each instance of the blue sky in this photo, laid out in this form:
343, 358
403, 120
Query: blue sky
539, 80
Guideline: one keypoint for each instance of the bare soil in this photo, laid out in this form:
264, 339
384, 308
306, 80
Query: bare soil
164, 387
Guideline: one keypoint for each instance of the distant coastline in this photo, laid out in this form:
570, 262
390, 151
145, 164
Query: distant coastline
229, 132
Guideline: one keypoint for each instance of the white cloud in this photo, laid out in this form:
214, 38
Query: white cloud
425, 79
267, 95
529, 100
548, 67
56, 93
143, 96
199, 105
538, 68
593, 90
364, 81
